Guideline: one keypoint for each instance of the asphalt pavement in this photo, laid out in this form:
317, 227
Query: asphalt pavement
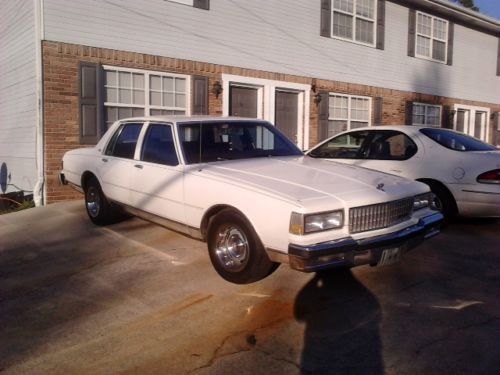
137, 298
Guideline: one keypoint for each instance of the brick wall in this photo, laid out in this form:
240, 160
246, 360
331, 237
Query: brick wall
61, 106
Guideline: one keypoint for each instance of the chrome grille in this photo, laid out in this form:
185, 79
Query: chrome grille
382, 215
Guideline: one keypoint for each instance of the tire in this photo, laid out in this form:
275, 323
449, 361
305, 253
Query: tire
99, 209
443, 201
235, 250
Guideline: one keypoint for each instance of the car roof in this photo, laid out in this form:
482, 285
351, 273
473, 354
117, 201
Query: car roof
183, 118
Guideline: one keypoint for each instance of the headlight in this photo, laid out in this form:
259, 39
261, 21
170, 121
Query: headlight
422, 201
309, 223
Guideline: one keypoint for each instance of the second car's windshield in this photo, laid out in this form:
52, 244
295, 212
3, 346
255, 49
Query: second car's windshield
229, 140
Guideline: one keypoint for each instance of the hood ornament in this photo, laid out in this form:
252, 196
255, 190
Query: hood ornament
380, 187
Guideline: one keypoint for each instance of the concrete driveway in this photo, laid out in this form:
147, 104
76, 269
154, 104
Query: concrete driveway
136, 298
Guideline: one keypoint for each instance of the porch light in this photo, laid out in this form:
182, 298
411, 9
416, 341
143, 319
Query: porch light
217, 88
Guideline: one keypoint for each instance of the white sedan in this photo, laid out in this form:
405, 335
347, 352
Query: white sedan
462, 172
251, 194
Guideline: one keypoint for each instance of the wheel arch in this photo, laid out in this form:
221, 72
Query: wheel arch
86, 177
214, 210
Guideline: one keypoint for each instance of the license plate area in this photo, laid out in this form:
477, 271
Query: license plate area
390, 256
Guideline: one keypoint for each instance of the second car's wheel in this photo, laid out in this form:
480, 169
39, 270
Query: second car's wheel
443, 201
99, 209
235, 249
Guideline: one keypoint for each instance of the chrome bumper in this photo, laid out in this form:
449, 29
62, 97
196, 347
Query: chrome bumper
348, 252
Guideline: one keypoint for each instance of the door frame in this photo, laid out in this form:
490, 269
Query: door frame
485, 128
266, 94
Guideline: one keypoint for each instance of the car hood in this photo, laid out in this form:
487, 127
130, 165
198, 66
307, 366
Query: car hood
313, 182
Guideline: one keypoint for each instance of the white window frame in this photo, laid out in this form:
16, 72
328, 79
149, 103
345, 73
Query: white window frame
349, 119
426, 106
354, 17
147, 73
432, 38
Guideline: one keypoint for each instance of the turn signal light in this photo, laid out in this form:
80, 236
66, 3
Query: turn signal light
490, 177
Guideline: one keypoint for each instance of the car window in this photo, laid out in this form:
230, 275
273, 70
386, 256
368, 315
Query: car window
123, 142
158, 146
390, 145
345, 146
455, 140
219, 140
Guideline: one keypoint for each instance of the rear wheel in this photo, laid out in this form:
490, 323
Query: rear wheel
99, 209
235, 249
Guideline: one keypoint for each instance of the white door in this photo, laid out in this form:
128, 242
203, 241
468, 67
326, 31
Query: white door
472, 121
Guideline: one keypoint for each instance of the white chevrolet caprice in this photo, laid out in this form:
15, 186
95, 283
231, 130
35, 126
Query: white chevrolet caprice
251, 194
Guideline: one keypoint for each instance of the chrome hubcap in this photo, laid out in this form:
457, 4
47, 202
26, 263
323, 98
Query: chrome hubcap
93, 201
232, 248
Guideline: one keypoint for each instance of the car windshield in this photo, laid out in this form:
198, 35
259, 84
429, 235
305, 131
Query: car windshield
456, 141
231, 140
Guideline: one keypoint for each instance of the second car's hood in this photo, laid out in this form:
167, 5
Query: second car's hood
312, 181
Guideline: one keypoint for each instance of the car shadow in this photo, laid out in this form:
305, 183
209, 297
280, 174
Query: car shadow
342, 325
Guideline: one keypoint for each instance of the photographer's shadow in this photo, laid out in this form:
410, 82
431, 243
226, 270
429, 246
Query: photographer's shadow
342, 325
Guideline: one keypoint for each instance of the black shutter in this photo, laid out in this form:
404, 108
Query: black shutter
323, 114
326, 18
412, 22
202, 4
409, 113
498, 58
381, 24
377, 111
450, 43
200, 95
91, 103
446, 120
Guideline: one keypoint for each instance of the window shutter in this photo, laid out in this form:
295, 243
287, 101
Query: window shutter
200, 95
91, 103
323, 114
202, 4
326, 18
380, 24
450, 43
409, 113
498, 58
377, 111
412, 22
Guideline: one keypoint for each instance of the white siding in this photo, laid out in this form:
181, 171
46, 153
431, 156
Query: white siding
18, 93
276, 36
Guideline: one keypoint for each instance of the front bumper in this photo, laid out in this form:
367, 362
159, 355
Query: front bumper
348, 252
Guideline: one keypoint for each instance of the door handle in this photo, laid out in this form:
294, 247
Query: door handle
104, 160
140, 166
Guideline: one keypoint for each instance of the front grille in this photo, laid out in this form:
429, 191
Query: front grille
382, 215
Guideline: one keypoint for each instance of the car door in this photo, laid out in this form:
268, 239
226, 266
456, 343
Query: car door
116, 166
157, 178
386, 150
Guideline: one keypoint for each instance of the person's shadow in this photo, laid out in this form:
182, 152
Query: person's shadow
342, 325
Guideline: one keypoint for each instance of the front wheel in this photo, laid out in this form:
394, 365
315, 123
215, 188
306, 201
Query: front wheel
235, 249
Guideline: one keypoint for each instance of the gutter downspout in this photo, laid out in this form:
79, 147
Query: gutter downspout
39, 190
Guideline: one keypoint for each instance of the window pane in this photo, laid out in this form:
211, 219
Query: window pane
138, 97
364, 31
138, 81
111, 95
137, 112
111, 115
344, 5
124, 112
180, 100
438, 50
358, 124
125, 79
336, 126
155, 83
168, 100
342, 25
155, 98
365, 8
111, 78
168, 84
423, 46
125, 96
439, 29
180, 85
424, 24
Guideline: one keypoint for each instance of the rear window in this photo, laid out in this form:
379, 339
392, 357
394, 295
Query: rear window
456, 141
